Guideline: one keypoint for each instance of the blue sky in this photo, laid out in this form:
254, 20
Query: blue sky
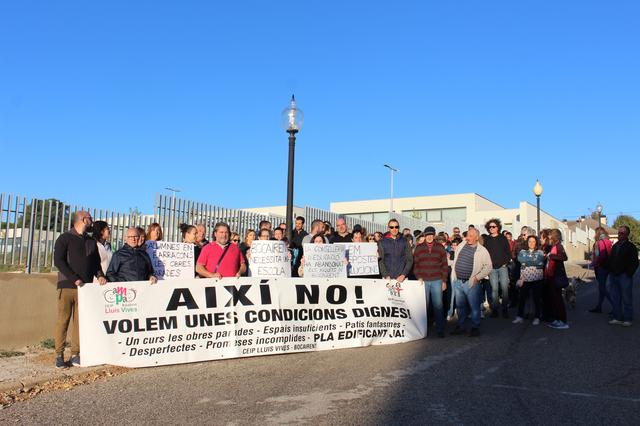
106, 103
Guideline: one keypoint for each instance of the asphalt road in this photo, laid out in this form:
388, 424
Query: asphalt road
511, 374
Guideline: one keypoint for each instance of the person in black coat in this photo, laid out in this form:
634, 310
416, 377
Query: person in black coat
131, 263
622, 264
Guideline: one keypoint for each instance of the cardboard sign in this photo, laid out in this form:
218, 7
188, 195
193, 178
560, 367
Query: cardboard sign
171, 260
325, 261
269, 259
363, 259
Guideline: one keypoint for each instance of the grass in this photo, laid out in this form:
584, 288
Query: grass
9, 354
49, 343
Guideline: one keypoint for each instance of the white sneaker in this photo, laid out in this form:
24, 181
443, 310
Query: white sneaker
536, 321
615, 322
627, 324
518, 320
562, 325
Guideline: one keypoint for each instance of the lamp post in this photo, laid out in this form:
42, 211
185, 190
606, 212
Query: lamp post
392, 170
599, 210
292, 118
537, 191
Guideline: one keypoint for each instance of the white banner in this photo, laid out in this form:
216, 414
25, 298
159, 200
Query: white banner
325, 261
136, 324
269, 259
362, 258
171, 260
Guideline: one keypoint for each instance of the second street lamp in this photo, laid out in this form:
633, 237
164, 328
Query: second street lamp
392, 170
292, 117
537, 191
599, 210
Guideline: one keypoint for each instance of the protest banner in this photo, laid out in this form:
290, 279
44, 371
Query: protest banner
135, 324
269, 259
362, 258
171, 260
325, 261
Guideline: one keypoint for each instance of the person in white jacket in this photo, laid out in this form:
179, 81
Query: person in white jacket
102, 235
471, 263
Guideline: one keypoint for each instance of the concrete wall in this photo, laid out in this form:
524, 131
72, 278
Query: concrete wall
28, 308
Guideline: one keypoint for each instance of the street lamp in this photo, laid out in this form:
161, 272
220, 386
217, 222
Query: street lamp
599, 210
537, 191
392, 170
292, 117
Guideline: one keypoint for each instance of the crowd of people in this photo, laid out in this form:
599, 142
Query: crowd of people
466, 275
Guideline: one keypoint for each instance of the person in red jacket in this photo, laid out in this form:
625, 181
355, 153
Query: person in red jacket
431, 269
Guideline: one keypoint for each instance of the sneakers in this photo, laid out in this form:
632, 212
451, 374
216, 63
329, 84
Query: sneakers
474, 332
627, 324
60, 362
518, 320
75, 360
536, 321
559, 325
615, 322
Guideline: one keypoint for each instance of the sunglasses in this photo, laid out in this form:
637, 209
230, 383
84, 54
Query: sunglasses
235, 241
492, 226
394, 227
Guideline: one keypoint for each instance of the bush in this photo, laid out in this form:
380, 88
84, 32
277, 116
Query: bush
48, 343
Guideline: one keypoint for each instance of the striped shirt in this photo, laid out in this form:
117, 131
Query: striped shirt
464, 263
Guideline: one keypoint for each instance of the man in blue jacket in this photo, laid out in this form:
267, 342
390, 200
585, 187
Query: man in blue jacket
395, 258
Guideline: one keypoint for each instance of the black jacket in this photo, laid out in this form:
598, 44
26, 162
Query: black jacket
130, 264
624, 258
498, 248
77, 258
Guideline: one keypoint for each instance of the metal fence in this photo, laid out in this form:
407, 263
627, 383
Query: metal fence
170, 212
29, 227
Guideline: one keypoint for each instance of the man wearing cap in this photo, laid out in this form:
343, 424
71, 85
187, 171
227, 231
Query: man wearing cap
471, 264
431, 269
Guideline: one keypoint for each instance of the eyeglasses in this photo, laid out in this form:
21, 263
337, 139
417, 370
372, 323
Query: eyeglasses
394, 227
132, 237
235, 241
492, 226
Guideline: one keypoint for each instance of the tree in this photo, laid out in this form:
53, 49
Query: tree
42, 206
634, 226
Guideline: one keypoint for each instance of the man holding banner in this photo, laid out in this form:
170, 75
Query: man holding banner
220, 259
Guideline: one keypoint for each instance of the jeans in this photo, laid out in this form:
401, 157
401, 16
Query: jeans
485, 290
620, 290
601, 276
466, 293
433, 291
499, 279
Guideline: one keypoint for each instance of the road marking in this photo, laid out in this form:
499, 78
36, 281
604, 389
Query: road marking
578, 394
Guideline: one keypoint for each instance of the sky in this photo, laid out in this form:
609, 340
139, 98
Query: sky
106, 103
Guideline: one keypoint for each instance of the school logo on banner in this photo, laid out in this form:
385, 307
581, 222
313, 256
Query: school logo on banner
120, 299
